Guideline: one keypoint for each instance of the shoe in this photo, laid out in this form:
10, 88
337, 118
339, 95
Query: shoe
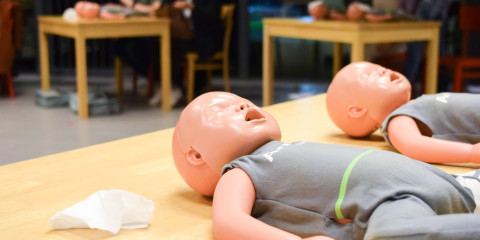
142, 86
175, 97
156, 99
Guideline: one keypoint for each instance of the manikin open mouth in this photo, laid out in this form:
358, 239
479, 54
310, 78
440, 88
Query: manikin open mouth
254, 114
390, 75
394, 77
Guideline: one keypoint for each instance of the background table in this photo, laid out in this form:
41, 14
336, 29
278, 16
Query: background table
96, 29
355, 33
32, 191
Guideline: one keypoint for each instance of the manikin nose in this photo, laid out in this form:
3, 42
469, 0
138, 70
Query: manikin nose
244, 106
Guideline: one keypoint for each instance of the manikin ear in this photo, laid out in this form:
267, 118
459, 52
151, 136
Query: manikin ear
194, 157
356, 111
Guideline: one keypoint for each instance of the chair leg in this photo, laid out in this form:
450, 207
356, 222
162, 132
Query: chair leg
151, 80
226, 76
11, 90
119, 75
458, 79
7, 84
3, 83
209, 80
134, 81
190, 77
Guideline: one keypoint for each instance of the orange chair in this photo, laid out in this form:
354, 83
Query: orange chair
10, 41
219, 61
468, 22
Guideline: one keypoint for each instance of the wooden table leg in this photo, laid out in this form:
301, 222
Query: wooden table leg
431, 66
44, 60
357, 52
337, 57
268, 73
165, 66
82, 84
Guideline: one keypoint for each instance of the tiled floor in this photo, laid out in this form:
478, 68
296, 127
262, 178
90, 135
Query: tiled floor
29, 131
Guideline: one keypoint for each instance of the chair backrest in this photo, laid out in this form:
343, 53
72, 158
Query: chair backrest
468, 21
226, 15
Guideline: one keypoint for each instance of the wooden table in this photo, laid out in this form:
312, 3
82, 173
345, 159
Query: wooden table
355, 33
32, 191
96, 29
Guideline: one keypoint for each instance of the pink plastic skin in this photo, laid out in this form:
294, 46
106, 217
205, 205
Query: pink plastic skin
334, 15
127, 3
378, 18
406, 137
232, 204
147, 8
213, 130
319, 10
354, 12
363, 94
87, 10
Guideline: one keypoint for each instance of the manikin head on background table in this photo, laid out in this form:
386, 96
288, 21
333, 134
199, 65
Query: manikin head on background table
355, 11
215, 129
318, 10
363, 94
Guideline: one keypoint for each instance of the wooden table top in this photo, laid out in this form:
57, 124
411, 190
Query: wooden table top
350, 25
56, 19
34, 190
100, 28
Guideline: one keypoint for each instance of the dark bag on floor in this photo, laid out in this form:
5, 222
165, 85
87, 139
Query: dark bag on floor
180, 26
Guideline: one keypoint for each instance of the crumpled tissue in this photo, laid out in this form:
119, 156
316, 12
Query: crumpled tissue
107, 210
70, 15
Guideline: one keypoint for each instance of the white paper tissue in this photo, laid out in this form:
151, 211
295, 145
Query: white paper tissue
70, 15
107, 210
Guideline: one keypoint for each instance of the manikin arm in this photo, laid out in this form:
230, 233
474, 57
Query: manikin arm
378, 18
337, 15
127, 3
406, 137
232, 204
147, 8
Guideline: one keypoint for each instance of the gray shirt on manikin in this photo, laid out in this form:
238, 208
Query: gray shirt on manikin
299, 185
449, 116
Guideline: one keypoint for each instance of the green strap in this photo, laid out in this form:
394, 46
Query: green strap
343, 185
